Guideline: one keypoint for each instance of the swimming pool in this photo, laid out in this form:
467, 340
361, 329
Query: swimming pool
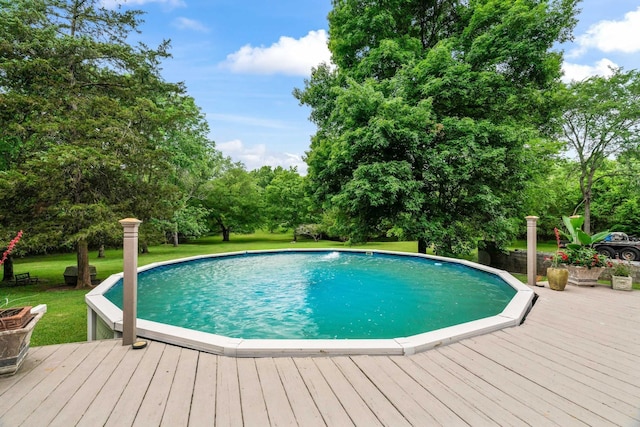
313, 302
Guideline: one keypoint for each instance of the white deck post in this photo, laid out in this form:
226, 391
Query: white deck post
532, 252
130, 279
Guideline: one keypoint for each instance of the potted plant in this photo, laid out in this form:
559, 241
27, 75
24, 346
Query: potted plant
621, 279
557, 274
16, 327
584, 263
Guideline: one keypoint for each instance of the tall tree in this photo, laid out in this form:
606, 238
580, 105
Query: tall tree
286, 205
84, 124
234, 201
601, 120
427, 126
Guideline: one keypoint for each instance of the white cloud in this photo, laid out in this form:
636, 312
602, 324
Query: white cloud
183, 23
258, 156
288, 56
170, 4
577, 72
611, 36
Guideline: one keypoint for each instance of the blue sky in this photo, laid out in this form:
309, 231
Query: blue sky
241, 60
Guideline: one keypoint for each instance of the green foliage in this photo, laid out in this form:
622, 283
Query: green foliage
579, 238
234, 201
89, 131
601, 120
580, 251
623, 269
435, 117
286, 204
585, 256
616, 196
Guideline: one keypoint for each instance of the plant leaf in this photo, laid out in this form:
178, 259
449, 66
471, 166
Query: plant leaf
599, 236
584, 238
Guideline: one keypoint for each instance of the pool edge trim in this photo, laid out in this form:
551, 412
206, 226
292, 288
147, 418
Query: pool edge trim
512, 315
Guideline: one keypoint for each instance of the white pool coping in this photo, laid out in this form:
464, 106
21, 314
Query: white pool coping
512, 315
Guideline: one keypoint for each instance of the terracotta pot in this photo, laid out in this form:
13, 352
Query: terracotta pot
583, 276
14, 318
557, 278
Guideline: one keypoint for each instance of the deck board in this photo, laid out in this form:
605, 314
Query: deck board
262, 393
228, 406
51, 378
328, 404
360, 413
103, 404
155, 399
302, 404
130, 401
176, 412
67, 390
203, 402
574, 362
76, 407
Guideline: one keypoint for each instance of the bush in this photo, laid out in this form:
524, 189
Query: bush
621, 269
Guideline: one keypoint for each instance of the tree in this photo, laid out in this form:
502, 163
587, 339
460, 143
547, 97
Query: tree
616, 196
286, 205
600, 120
85, 124
234, 201
428, 125
194, 162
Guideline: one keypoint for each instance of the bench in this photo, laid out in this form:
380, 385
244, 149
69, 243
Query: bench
25, 279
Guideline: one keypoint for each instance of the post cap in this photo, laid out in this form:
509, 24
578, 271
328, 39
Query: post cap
130, 221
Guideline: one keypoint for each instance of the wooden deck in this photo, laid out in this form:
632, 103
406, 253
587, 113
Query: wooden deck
574, 362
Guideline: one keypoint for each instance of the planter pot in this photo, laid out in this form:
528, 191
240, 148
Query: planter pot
621, 283
583, 276
558, 278
14, 318
14, 344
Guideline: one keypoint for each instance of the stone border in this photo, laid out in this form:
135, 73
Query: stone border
100, 307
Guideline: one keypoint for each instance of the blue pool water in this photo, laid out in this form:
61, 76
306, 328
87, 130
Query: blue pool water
312, 295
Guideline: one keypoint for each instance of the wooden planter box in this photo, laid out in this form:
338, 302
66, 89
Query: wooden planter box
14, 318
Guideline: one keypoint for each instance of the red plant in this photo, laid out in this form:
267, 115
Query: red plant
12, 245
559, 257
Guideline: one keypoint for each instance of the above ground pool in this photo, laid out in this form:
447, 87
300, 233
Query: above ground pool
313, 302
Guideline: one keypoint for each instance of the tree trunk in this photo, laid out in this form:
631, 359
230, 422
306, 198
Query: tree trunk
225, 234
84, 275
175, 238
587, 214
101, 251
8, 269
422, 246
144, 247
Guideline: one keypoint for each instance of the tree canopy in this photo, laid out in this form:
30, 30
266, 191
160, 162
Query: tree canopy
90, 132
430, 121
600, 121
